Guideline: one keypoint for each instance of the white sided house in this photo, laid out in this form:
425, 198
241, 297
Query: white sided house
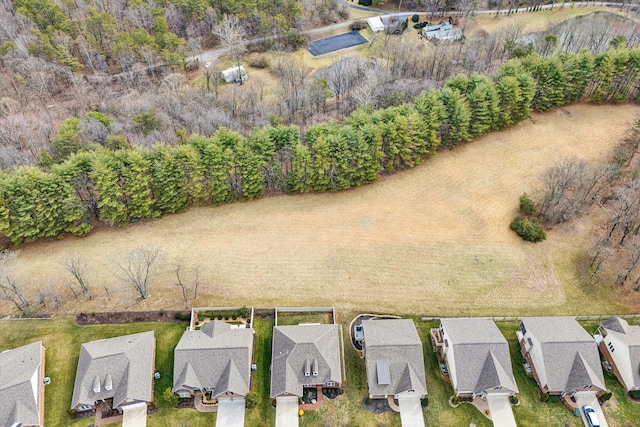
476, 355
562, 355
619, 343
375, 23
394, 359
443, 31
235, 74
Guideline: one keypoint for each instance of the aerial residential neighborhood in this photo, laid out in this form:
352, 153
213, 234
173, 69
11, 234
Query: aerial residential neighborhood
319, 213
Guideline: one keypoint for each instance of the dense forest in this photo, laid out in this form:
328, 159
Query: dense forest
119, 184
100, 122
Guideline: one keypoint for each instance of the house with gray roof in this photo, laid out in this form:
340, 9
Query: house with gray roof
476, 355
619, 343
22, 386
118, 369
562, 355
394, 358
304, 356
216, 358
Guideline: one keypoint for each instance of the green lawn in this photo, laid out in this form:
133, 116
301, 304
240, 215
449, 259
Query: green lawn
296, 318
62, 339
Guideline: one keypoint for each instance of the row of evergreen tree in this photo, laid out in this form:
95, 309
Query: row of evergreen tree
119, 186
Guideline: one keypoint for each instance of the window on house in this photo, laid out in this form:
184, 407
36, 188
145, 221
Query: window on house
446, 343
331, 383
522, 328
412, 390
611, 348
530, 341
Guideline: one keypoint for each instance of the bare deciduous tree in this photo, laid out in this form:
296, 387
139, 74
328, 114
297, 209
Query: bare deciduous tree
231, 34
184, 286
9, 288
137, 268
77, 266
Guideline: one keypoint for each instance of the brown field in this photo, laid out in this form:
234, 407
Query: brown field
432, 240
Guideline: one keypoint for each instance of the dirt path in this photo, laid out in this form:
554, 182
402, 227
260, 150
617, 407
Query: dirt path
434, 239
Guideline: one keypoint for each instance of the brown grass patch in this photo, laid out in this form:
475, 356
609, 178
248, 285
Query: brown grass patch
432, 240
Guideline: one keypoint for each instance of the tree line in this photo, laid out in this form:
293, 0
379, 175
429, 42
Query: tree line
117, 184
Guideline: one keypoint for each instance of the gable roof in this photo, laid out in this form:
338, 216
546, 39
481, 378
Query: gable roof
569, 353
630, 335
126, 363
20, 385
395, 345
218, 357
304, 347
482, 360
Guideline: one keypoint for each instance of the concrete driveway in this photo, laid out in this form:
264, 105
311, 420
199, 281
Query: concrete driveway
230, 413
410, 411
287, 411
501, 413
134, 415
590, 398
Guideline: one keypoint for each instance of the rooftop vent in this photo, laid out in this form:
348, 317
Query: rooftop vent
96, 385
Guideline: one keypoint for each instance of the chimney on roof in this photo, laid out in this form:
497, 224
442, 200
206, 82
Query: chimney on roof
314, 367
307, 368
108, 384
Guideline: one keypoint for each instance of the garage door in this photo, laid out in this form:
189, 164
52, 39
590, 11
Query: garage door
230, 413
287, 411
410, 411
134, 415
590, 399
501, 413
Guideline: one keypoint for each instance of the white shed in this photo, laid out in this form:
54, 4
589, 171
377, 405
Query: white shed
234, 74
375, 23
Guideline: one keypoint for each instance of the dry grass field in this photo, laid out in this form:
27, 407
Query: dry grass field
432, 240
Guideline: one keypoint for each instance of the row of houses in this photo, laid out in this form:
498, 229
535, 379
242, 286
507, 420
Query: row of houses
213, 364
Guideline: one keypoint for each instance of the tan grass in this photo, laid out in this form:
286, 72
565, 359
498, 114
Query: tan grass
432, 240
537, 21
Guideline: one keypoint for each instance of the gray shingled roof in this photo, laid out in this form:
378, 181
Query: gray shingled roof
630, 335
20, 385
218, 357
295, 347
396, 342
570, 354
482, 359
127, 362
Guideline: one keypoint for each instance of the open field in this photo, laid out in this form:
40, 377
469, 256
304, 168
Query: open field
432, 240
62, 338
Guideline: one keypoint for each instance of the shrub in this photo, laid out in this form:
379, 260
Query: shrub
251, 400
544, 397
245, 312
368, 401
365, 2
528, 230
424, 402
513, 399
258, 61
605, 396
415, 18
170, 398
358, 25
635, 394
419, 25
527, 207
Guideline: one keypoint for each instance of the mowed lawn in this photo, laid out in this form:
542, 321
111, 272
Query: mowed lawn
431, 240
62, 339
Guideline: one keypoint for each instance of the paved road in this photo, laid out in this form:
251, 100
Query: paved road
590, 398
501, 412
287, 411
410, 411
230, 413
134, 415
212, 55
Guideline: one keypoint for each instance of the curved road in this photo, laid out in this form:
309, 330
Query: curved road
214, 54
